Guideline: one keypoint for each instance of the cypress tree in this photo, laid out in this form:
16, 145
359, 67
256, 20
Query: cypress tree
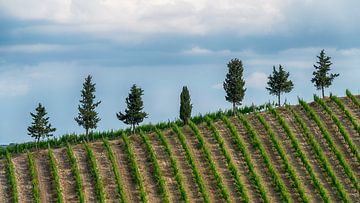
40, 127
87, 116
279, 83
322, 78
234, 83
185, 105
134, 113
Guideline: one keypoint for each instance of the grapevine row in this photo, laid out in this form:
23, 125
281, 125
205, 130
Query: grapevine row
174, 166
135, 168
158, 174
95, 173
295, 144
321, 156
12, 178
230, 164
198, 178
240, 145
256, 142
353, 98
34, 180
341, 128
75, 171
115, 169
331, 143
219, 181
288, 167
55, 176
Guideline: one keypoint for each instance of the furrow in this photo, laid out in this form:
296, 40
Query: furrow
5, 189
46, 184
23, 178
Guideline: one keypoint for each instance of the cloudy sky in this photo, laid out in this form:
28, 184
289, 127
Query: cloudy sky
48, 47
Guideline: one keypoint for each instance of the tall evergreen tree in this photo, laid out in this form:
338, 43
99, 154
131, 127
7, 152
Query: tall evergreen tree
40, 127
134, 113
234, 83
185, 105
322, 78
279, 82
87, 116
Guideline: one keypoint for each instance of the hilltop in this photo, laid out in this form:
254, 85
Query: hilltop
301, 153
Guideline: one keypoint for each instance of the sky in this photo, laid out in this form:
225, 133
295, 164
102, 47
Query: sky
47, 48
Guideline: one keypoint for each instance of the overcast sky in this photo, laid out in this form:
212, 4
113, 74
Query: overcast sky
48, 47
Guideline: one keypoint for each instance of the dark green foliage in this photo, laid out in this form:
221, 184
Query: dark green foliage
134, 113
234, 83
322, 78
12, 178
34, 178
95, 173
279, 83
40, 127
75, 171
185, 105
55, 176
87, 116
115, 169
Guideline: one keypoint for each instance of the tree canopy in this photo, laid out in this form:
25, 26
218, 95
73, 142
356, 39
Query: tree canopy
40, 127
185, 105
279, 83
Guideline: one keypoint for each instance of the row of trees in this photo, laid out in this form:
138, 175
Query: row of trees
133, 115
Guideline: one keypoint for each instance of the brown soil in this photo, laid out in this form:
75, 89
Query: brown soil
354, 110
23, 178
5, 188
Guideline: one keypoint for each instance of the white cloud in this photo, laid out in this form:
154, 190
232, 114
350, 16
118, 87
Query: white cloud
257, 80
196, 50
33, 48
11, 87
218, 86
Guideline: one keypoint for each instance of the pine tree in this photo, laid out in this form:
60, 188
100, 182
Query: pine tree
279, 83
234, 83
40, 127
322, 79
185, 105
134, 113
87, 116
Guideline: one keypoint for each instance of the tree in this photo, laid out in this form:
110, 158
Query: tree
234, 83
40, 127
87, 116
134, 113
279, 83
322, 78
185, 105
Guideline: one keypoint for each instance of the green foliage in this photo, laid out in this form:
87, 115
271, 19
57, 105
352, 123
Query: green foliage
234, 83
274, 174
174, 166
347, 113
230, 163
134, 113
287, 166
185, 105
322, 79
331, 143
295, 144
115, 169
353, 98
34, 178
279, 83
341, 128
219, 181
322, 158
87, 116
75, 171
55, 176
241, 147
40, 127
12, 178
198, 177
158, 174
95, 173
135, 169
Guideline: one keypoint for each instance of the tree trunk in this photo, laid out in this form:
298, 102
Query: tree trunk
37, 143
323, 95
133, 129
279, 102
87, 134
234, 108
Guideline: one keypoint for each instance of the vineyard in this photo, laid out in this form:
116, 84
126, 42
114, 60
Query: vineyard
300, 153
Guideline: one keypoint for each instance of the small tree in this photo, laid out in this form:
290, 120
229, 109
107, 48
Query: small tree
134, 113
322, 78
279, 83
87, 116
234, 83
185, 105
40, 127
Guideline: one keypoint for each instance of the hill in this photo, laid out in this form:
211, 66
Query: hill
302, 153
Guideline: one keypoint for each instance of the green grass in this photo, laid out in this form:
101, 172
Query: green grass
55, 176
12, 178
34, 178
353, 98
75, 171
